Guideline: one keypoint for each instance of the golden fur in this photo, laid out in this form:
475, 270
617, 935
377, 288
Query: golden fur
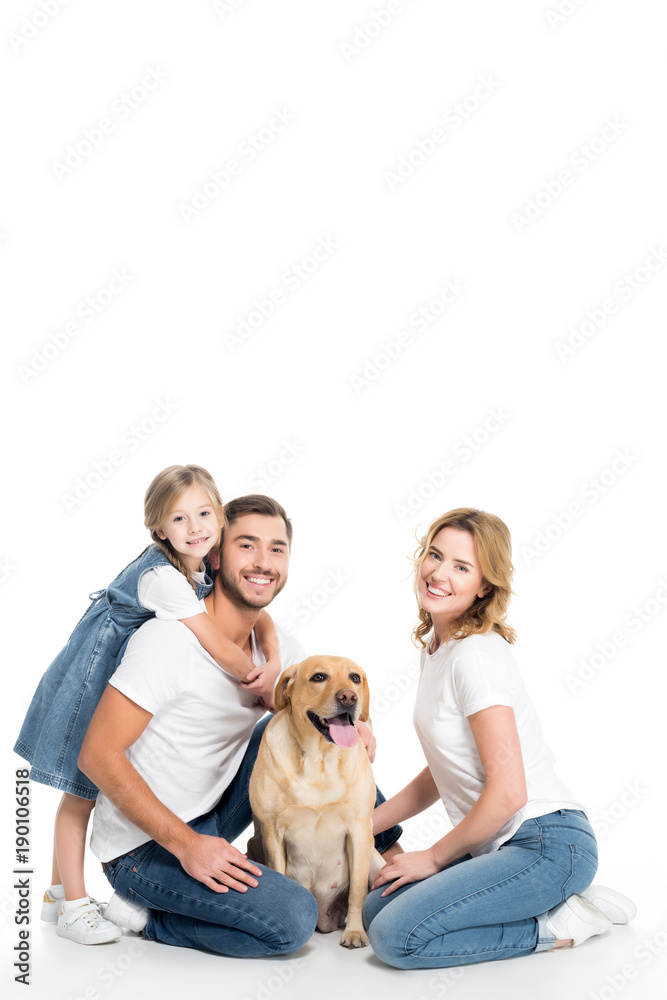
312, 799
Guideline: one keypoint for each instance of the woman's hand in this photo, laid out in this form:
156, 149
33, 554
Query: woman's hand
406, 868
367, 737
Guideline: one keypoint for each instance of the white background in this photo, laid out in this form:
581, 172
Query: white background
337, 403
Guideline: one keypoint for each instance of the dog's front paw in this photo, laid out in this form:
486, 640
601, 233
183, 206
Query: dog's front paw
353, 939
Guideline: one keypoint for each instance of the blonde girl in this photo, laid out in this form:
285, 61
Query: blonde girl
184, 515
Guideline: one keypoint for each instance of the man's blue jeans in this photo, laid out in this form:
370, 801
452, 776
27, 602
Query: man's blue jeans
278, 916
489, 907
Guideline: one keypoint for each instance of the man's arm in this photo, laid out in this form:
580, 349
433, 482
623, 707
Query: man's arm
118, 722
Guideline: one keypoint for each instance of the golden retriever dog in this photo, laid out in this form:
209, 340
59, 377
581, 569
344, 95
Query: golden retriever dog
312, 791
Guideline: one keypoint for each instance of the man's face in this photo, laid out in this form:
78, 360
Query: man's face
255, 560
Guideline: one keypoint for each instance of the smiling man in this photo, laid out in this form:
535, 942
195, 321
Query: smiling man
172, 745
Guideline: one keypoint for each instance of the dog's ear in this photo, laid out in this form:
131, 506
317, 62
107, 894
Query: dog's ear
280, 695
366, 706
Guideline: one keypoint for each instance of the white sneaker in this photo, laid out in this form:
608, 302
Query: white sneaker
578, 919
613, 904
86, 925
51, 907
125, 914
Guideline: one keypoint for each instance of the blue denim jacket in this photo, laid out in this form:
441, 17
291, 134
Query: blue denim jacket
68, 693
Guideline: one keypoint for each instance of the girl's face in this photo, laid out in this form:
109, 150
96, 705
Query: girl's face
449, 579
192, 526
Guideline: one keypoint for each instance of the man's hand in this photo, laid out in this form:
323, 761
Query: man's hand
217, 864
367, 737
404, 868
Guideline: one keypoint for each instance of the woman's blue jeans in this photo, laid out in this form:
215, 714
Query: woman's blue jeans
278, 916
488, 907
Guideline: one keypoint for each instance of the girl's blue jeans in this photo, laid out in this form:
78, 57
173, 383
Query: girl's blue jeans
489, 907
278, 916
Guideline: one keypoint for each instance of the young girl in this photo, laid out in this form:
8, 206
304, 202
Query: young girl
502, 882
183, 512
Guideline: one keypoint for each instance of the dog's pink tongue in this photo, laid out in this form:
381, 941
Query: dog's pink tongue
342, 732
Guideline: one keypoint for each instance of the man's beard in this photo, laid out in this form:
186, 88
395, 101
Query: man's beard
238, 598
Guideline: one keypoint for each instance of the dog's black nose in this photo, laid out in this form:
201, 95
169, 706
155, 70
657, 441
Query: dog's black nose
346, 697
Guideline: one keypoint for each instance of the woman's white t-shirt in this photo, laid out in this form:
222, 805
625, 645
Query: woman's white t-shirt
462, 677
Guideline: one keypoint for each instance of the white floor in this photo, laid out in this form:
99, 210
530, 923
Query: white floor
630, 962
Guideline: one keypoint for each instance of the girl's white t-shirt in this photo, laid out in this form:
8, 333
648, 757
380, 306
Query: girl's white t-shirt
462, 677
165, 591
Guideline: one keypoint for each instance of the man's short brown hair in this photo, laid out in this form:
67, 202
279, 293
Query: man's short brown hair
256, 503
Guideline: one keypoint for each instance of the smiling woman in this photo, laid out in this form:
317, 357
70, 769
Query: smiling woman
512, 877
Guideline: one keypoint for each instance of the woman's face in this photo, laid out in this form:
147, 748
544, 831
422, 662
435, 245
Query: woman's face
449, 579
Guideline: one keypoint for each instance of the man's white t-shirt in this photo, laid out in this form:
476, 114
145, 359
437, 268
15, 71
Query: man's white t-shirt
462, 677
201, 726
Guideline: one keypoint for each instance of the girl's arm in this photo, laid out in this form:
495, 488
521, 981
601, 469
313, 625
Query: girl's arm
497, 739
267, 636
414, 798
226, 653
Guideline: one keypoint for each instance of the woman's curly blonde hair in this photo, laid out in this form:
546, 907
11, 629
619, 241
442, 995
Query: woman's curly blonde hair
493, 546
